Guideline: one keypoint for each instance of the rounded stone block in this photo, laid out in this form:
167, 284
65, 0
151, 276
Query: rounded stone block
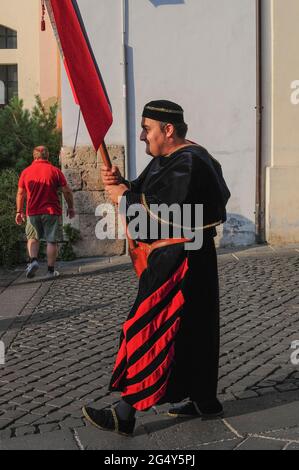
82, 171
81, 157
86, 202
74, 179
91, 179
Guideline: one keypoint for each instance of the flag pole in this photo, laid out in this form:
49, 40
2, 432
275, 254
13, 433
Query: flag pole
108, 164
105, 155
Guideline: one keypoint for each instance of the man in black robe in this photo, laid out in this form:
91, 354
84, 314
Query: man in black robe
169, 345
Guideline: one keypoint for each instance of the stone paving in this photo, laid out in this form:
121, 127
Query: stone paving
61, 347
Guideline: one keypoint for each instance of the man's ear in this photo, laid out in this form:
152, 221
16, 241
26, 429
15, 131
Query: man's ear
169, 130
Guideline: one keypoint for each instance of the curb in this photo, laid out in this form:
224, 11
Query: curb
85, 266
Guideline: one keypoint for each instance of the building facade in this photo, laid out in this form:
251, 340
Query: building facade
29, 60
280, 149
207, 56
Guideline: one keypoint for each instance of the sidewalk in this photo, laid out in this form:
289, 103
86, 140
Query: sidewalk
61, 337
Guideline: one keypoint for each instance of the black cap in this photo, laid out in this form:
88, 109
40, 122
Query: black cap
164, 111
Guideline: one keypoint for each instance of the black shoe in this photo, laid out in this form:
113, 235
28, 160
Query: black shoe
191, 409
107, 419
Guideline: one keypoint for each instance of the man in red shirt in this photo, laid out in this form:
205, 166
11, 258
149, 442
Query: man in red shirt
39, 183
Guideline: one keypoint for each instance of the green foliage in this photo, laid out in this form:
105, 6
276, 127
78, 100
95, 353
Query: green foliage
22, 130
66, 252
10, 233
72, 236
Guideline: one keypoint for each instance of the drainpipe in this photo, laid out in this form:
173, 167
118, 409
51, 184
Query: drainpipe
124, 11
259, 109
124, 74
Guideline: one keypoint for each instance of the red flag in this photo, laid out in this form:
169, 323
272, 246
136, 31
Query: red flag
80, 64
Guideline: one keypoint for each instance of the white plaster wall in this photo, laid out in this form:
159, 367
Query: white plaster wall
102, 20
200, 53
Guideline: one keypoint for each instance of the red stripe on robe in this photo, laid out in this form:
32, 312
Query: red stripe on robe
158, 295
152, 378
144, 335
153, 352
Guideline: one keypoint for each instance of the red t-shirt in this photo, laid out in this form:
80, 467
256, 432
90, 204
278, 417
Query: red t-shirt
41, 181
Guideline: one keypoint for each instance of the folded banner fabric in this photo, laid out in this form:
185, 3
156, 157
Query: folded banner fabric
80, 64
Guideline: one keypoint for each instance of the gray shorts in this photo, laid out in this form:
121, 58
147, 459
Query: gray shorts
43, 227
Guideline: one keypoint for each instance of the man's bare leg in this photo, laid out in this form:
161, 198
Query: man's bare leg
33, 248
52, 250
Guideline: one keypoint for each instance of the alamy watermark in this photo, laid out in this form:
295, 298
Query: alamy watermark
295, 353
157, 221
295, 93
2, 353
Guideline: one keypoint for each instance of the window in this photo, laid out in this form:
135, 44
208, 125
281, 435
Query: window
8, 38
8, 83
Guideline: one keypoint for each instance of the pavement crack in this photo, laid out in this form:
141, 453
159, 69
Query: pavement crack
221, 441
232, 429
77, 440
241, 443
271, 438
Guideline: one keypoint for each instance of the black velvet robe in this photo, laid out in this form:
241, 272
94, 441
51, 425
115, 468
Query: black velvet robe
169, 345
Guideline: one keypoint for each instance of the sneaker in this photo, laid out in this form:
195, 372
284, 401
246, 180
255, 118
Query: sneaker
108, 420
31, 269
191, 409
51, 274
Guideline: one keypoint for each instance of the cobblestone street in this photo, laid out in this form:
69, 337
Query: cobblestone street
61, 348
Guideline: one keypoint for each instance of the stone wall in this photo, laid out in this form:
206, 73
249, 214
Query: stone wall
82, 171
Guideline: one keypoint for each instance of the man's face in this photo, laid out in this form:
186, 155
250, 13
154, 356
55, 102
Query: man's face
154, 138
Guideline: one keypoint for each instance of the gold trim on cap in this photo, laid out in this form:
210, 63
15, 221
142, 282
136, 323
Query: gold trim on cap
115, 419
164, 110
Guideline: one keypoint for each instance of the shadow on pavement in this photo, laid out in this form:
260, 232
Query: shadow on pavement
51, 316
62, 275
232, 409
